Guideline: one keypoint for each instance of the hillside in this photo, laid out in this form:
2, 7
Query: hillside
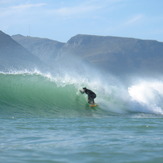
43, 48
118, 55
14, 56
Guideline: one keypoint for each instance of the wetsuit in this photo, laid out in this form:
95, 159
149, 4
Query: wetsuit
91, 95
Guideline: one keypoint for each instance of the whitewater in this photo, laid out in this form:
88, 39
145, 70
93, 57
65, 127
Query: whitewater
45, 118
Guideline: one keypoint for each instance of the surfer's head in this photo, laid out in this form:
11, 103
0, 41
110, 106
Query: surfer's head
84, 88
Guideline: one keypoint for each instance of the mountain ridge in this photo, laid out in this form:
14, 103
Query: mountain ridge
43, 48
117, 55
13, 55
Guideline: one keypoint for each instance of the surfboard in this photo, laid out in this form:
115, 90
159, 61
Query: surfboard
93, 105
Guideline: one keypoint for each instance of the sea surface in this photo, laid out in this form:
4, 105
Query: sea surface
44, 119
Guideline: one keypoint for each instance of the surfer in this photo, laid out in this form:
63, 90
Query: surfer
91, 95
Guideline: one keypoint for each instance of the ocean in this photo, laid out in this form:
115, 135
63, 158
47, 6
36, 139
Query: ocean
45, 119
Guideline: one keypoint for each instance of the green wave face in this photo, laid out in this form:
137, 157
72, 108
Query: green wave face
33, 94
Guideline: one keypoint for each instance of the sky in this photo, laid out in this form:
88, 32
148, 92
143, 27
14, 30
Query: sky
62, 19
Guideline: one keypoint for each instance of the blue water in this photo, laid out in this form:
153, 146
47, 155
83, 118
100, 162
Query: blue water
137, 138
44, 119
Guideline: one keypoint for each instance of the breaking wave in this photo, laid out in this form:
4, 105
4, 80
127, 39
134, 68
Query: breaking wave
25, 93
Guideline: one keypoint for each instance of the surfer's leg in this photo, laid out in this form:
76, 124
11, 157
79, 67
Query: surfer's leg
92, 97
91, 100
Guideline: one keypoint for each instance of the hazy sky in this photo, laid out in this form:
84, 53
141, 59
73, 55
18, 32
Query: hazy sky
62, 19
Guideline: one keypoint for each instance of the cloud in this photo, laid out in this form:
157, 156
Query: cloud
75, 10
27, 6
4, 1
134, 20
80, 8
17, 9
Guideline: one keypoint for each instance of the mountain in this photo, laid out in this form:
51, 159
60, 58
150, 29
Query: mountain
14, 56
43, 48
118, 55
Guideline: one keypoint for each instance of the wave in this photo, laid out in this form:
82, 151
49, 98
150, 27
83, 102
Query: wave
33, 93
25, 93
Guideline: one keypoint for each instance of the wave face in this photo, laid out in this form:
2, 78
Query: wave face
37, 94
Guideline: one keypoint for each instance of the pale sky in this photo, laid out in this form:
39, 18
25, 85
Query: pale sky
62, 19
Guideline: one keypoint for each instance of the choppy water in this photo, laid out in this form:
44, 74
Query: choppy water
111, 139
45, 119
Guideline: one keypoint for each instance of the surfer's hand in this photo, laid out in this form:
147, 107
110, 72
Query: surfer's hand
81, 91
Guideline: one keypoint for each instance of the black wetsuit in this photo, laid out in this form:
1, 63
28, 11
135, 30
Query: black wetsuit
91, 96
